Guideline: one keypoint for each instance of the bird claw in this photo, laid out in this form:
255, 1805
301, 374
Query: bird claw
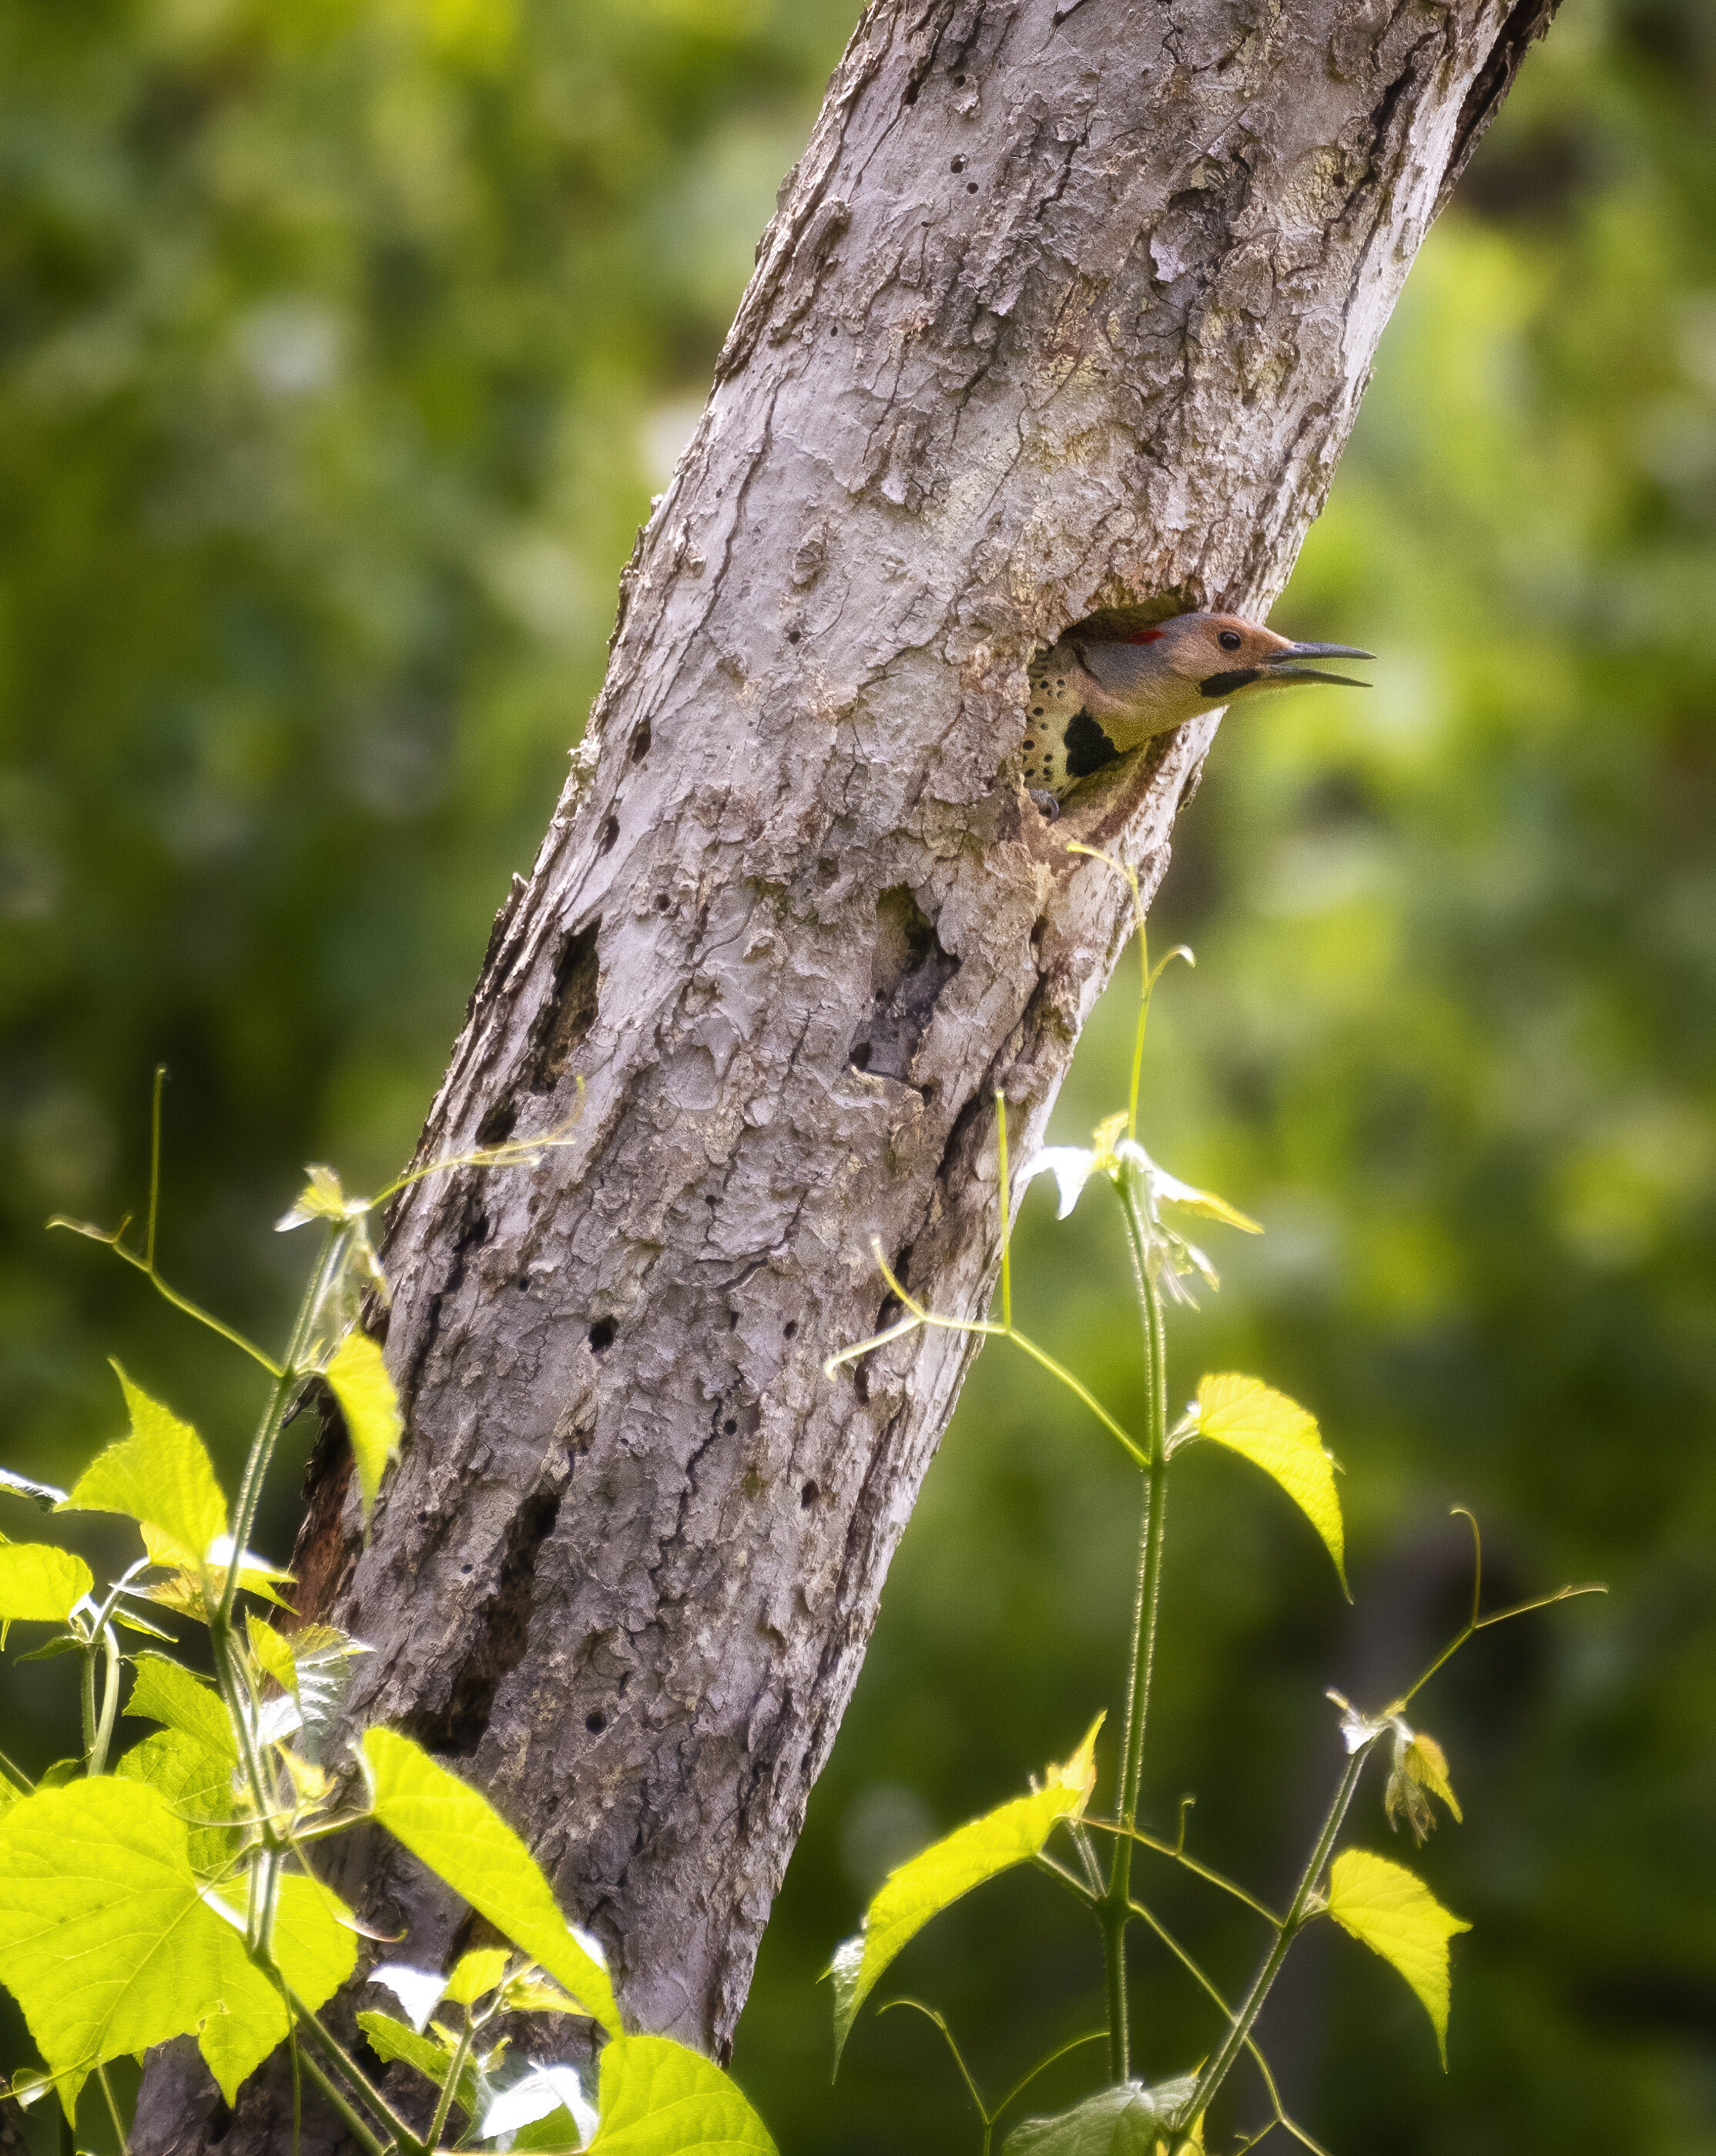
1047, 806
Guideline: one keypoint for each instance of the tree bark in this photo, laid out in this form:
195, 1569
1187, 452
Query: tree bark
1061, 308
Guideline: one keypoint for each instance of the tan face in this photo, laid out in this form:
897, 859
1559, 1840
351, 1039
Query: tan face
1202, 645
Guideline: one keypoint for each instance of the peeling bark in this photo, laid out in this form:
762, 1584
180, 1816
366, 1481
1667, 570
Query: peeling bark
1061, 308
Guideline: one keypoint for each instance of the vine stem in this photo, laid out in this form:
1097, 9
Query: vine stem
443, 2103
1299, 1914
1116, 1912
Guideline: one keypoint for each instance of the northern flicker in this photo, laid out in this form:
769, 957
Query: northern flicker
1106, 687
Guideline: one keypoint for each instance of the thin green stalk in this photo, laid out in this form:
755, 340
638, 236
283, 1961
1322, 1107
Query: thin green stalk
1117, 1913
97, 1763
86, 1697
324, 2038
350, 2119
125, 2146
444, 2102
261, 1453
1297, 1915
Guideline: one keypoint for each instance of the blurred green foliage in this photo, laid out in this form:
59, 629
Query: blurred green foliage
340, 346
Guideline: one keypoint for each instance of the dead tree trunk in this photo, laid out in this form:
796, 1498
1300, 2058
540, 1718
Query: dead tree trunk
1062, 308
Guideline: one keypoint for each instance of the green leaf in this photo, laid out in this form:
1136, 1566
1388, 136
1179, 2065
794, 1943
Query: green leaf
1126, 2120
1013, 1833
42, 1495
460, 1836
1392, 1912
197, 1784
105, 1940
167, 1691
323, 1198
316, 1951
39, 1584
657, 2098
359, 1381
391, 2040
1281, 1437
160, 1476
273, 1652
473, 1974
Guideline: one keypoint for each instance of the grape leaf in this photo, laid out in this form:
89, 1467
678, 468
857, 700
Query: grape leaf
1392, 1912
105, 1940
392, 2040
1281, 1437
316, 1951
460, 1836
166, 1691
657, 2098
359, 1381
160, 1475
39, 1584
197, 1784
1012, 1834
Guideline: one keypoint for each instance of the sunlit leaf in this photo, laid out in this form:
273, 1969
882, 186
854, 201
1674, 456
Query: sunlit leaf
393, 2040
42, 1495
475, 1973
1126, 2120
1013, 1833
166, 1691
1169, 1189
39, 1584
316, 1951
528, 1993
1395, 1914
657, 2098
323, 1198
160, 1475
197, 1784
273, 1652
359, 1381
105, 1940
322, 1656
459, 1835
1281, 1437
1419, 1772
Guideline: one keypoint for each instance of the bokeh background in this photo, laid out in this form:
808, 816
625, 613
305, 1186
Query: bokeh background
342, 346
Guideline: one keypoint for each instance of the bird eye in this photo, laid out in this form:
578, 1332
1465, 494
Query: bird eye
1229, 639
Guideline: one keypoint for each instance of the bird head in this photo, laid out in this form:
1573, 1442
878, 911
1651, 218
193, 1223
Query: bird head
1172, 670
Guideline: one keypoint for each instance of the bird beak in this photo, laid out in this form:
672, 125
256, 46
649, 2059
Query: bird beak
1278, 671
1324, 651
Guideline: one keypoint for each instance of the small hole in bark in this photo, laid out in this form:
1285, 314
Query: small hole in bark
602, 1334
731, 1424
496, 1126
710, 1200
860, 1057
971, 187
957, 165
860, 1384
808, 1495
662, 902
596, 1723
794, 634
467, 1569
959, 82
791, 1328
640, 743
610, 832
910, 96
